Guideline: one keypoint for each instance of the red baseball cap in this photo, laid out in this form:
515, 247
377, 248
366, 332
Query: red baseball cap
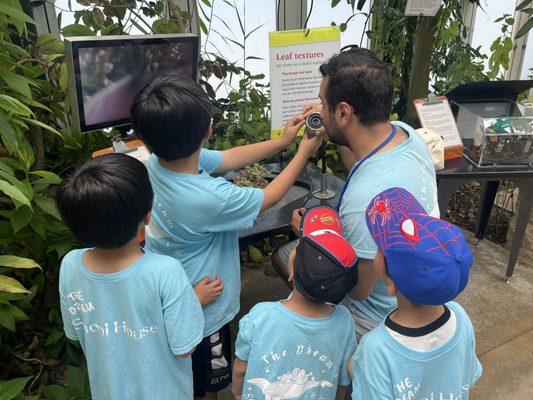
325, 265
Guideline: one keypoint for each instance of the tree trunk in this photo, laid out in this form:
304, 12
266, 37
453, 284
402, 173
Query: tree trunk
419, 79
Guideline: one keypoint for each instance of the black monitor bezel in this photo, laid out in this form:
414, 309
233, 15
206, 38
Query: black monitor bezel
100, 42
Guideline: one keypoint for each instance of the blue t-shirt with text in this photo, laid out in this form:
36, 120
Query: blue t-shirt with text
132, 325
408, 166
384, 369
196, 219
294, 357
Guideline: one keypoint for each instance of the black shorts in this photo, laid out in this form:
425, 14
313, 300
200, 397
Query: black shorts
211, 363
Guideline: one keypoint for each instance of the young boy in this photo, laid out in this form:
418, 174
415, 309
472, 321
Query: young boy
196, 217
134, 312
299, 348
425, 349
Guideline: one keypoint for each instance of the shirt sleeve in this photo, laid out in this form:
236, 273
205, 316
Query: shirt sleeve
182, 313
362, 389
210, 160
240, 208
67, 321
243, 343
357, 233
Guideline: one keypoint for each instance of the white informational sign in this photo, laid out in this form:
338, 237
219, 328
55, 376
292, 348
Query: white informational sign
428, 8
437, 116
295, 59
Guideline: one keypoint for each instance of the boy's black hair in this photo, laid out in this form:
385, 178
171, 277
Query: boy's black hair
359, 78
104, 201
172, 116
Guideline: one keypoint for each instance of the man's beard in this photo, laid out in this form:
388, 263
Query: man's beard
336, 135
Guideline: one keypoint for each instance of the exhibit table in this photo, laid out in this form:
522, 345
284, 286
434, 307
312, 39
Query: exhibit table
458, 171
278, 220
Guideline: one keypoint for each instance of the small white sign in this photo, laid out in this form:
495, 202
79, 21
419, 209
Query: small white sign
428, 8
438, 117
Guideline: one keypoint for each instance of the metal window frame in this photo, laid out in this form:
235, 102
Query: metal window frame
516, 58
290, 14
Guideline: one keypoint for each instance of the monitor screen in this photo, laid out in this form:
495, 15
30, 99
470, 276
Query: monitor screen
108, 73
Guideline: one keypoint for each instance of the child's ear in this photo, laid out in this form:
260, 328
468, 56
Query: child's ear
208, 133
290, 279
147, 218
391, 287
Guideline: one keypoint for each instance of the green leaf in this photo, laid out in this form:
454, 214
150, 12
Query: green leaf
15, 13
10, 389
77, 30
63, 77
12, 105
14, 193
525, 28
57, 392
42, 125
48, 43
75, 379
9, 136
207, 3
18, 262
16, 82
49, 176
11, 285
48, 205
20, 218
523, 5
113, 29
334, 3
53, 338
6, 320
165, 26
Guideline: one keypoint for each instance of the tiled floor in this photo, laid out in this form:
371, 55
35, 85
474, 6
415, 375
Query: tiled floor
502, 315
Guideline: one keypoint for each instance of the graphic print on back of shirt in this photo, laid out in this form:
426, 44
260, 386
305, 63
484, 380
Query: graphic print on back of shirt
314, 380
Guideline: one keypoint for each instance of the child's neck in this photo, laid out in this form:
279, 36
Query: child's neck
307, 308
186, 165
106, 261
412, 315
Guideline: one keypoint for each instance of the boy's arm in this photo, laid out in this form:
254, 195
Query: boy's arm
341, 392
241, 156
239, 372
276, 189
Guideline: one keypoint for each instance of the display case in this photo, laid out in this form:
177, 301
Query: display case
495, 133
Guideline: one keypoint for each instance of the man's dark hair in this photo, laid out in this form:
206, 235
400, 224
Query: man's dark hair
172, 116
104, 201
359, 78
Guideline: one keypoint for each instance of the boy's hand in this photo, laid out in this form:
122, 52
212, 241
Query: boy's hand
310, 146
311, 108
208, 290
291, 129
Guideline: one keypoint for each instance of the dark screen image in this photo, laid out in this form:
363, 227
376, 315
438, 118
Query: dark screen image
111, 76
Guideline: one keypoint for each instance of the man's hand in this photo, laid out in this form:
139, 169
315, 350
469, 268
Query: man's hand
296, 220
208, 290
291, 129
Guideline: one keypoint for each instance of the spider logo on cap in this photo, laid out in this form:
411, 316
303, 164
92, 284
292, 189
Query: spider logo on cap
381, 208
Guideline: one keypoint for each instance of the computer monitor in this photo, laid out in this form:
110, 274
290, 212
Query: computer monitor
106, 72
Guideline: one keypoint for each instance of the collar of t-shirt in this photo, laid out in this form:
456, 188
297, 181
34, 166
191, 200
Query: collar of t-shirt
425, 338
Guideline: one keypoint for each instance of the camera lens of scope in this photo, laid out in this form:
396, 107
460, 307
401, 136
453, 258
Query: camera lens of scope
314, 121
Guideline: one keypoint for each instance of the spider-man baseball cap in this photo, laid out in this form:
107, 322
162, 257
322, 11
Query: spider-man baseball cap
325, 265
427, 258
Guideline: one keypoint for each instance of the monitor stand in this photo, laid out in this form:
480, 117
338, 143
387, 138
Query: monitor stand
125, 134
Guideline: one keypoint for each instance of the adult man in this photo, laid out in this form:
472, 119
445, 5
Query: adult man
356, 94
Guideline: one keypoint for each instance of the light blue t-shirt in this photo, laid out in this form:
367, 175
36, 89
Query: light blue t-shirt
294, 356
408, 166
131, 326
384, 369
195, 219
